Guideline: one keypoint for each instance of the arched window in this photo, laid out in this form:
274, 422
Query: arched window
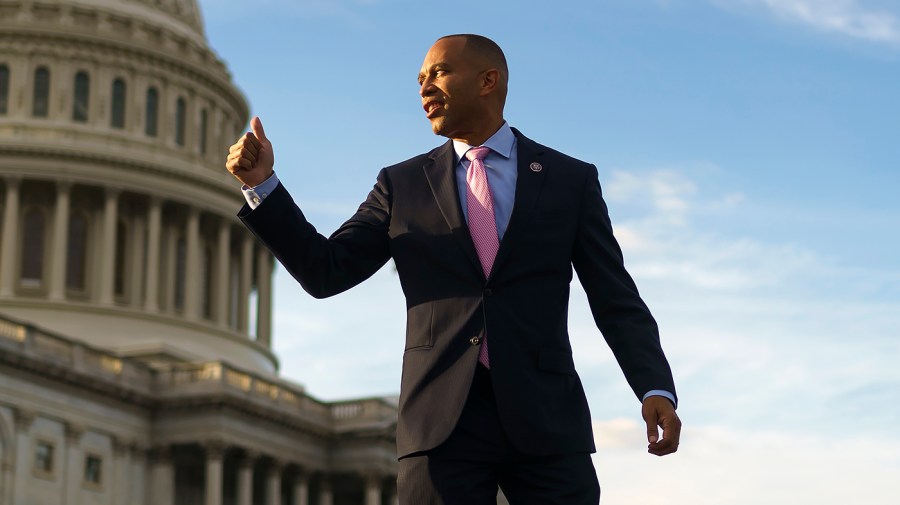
119, 281
203, 128
117, 119
82, 93
180, 111
76, 252
40, 102
33, 235
180, 271
4, 89
152, 116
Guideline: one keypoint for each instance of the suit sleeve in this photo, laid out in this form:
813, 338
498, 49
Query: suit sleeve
325, 266
618, 310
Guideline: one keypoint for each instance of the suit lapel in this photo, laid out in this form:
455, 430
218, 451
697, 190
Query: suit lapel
528, 187
441, 175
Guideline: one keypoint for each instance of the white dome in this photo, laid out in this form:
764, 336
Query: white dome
120, 110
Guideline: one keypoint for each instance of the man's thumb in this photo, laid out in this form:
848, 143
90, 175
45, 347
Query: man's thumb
652, 431
257, 127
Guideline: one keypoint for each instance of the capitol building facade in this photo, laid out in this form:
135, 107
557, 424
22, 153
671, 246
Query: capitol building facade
136, 363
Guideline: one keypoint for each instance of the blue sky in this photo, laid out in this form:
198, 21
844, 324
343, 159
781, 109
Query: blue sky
749, 153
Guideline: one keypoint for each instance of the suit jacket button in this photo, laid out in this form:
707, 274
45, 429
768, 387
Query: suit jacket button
488, 292
475, 340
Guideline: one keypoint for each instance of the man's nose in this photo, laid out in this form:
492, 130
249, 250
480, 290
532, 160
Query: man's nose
425, 88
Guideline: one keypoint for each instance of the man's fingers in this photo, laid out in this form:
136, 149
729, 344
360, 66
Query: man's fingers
663, 447
671, 426
257, 127
658, 413
651, 416
250, 159
652, 430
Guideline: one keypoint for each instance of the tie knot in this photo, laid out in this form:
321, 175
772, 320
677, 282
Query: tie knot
477, 153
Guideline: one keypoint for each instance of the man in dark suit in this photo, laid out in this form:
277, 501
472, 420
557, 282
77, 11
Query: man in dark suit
489, 394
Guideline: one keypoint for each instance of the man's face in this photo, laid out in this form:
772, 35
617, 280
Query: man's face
450, 89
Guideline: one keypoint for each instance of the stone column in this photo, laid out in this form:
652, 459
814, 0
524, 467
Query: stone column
107, 268
10, 237
137, 262
139, 460
120, 483
59, 244
193, 277
246, 283
273, 483
301, 489
373, 489
325, 495
73, 470
170, 254
395, 496
264, 297
162, 477
215, 454
23, 420
151, 288
245, 480
223, 274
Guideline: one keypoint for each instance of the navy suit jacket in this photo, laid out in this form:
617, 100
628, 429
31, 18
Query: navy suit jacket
559, 221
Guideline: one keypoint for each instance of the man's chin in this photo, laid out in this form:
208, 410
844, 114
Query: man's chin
439, 127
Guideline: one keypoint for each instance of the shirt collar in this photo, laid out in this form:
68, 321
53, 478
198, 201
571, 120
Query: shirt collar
501, 142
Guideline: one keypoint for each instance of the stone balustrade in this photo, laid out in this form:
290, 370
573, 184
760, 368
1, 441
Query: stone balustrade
190, 380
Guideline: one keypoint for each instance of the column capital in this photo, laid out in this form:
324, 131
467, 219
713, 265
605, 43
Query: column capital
248, 459
276, 466
112, 191
12, 181
74, 432
138, 450
372, 476
64, 185
215, 449
302, 472
120, 446
23, 418
160, 454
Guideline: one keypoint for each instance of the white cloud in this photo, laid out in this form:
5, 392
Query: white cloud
731, 465
847, 17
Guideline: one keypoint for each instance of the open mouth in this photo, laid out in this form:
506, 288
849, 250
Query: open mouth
432, 107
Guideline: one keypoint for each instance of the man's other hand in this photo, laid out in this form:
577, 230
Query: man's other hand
658, 412
251, 158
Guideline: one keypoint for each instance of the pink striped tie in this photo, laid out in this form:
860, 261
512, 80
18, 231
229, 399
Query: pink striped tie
482, 226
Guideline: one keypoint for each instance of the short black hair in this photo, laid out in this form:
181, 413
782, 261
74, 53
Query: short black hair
485, 46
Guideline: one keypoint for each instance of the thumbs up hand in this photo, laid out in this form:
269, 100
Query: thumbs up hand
251, 159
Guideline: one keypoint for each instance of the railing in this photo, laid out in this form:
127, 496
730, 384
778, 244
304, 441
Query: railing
56, 350
190, 380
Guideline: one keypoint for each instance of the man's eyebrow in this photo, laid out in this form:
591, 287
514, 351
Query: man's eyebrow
437, 66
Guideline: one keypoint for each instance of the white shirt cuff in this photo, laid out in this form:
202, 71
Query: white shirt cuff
258, 193
660, 392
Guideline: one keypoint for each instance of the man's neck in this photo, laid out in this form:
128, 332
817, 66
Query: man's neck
479, 138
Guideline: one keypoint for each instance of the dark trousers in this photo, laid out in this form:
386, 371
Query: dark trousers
478, 458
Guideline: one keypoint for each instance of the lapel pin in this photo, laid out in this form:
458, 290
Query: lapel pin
536, 167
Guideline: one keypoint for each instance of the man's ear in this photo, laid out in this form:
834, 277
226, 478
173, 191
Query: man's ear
489, 80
